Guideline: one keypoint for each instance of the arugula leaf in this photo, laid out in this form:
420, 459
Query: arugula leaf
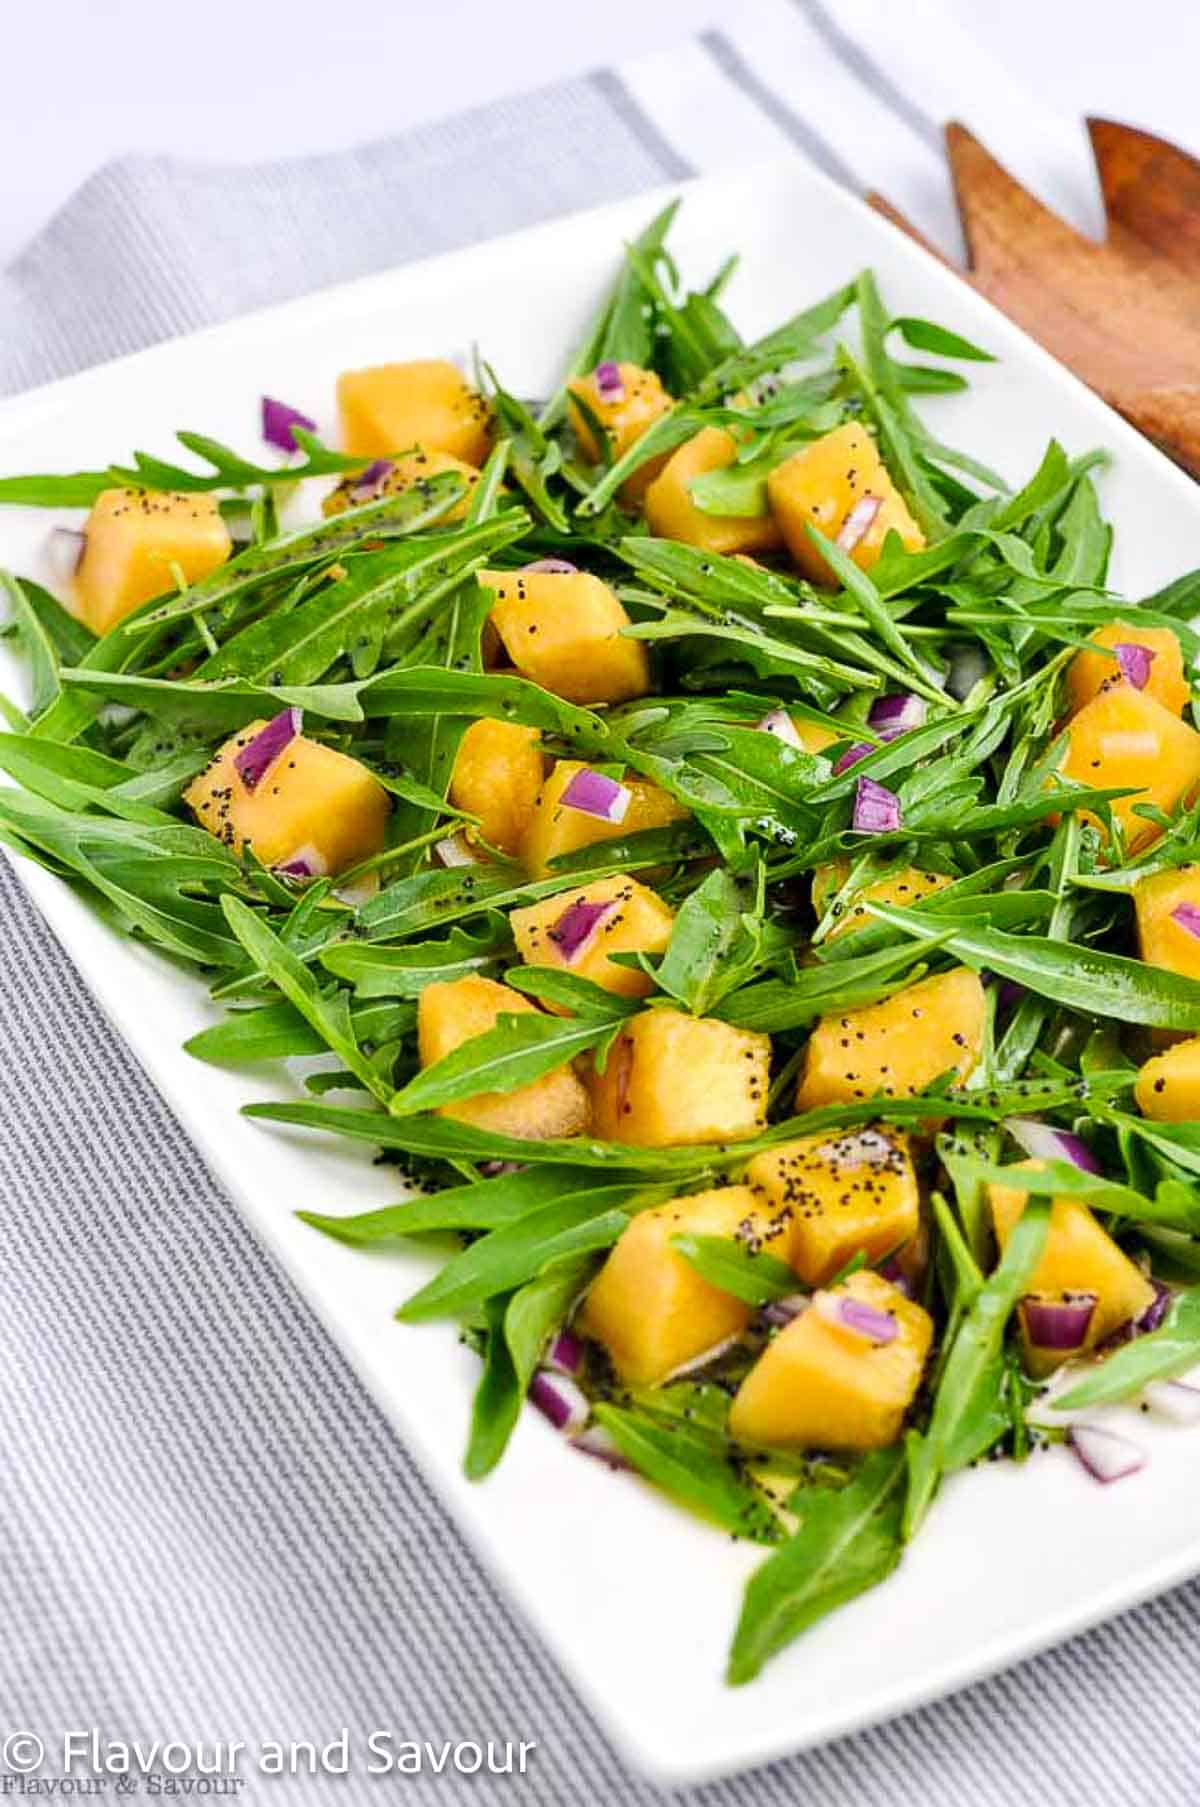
478, 1205
506, 1257
689, 1466
848, 1541
1083, 978
518, 1050
962, 1420
1159, 1355
754, 1277
328, 1015
497, 1402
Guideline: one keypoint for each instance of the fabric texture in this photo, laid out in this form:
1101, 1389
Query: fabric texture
208, 1529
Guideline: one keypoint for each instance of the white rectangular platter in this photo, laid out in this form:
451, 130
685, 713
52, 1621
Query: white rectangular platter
636, 1600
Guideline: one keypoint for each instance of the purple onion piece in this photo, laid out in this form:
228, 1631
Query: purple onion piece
255, 760
64, 550
779, 1312
1058, 1324
1187, 916
557, 1398
454, 850
848, 1313
876, 809
1046, 1143
1135, 662
553, 567
368, 483
565, 1354
595, 1441
494, 1170
610, 384
780, 724
595, 794
858, 522
893, 715
577, 925
1176, 1399
295, 868
851, 756
1157, 1309
1010, 993
1103, 1454
278, 419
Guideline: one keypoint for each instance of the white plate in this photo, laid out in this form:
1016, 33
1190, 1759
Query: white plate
636, 1600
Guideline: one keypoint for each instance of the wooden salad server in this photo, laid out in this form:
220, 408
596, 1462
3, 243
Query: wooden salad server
1122, 313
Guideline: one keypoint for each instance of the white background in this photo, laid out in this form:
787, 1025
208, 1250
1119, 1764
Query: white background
230, 80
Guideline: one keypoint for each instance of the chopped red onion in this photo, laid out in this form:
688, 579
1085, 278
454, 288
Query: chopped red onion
894, 1274
305, 862
858, 522
596, 1441
255, 761
704, 1358
553, 567
557, 1398
610, 384
1135, 662
780, 724
848, 1313
876, 809
368, 483
1157, 1309
1187, 915
1059, 1324
594, 794
1176, 1399
295, 868
278, 419
852, 755
577, 925
492, 1170
455, 850
64, 551
893, 715
565, 1354
780, 1312
1046, 1143
1105, 1455
1009, 994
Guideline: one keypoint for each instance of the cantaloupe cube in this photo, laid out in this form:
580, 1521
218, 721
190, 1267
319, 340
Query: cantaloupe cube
634, 920
312, 804
1079, 1257
428, 402
1166, 903
1168, 1085
562, 629
407, 471
1091, 672
455, 1011
671, 512
674, 1079
650, 1307
819, 1385
823, 483
624, 414
905, 887
137, 543
844, 1192
898, 1046
558, 829
1124, 737
497, 777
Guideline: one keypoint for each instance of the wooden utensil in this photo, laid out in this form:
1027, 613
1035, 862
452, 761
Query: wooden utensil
1122, 313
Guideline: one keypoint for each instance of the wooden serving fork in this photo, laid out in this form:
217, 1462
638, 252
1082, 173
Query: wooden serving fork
1124, 313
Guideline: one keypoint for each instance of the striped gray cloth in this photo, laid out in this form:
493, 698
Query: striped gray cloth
208, 1529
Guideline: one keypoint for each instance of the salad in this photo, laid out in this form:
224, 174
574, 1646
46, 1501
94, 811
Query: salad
730, 851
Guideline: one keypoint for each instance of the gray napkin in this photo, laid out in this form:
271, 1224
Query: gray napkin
207, 1530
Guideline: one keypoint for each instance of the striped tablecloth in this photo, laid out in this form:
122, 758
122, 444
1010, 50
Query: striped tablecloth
207, 1529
